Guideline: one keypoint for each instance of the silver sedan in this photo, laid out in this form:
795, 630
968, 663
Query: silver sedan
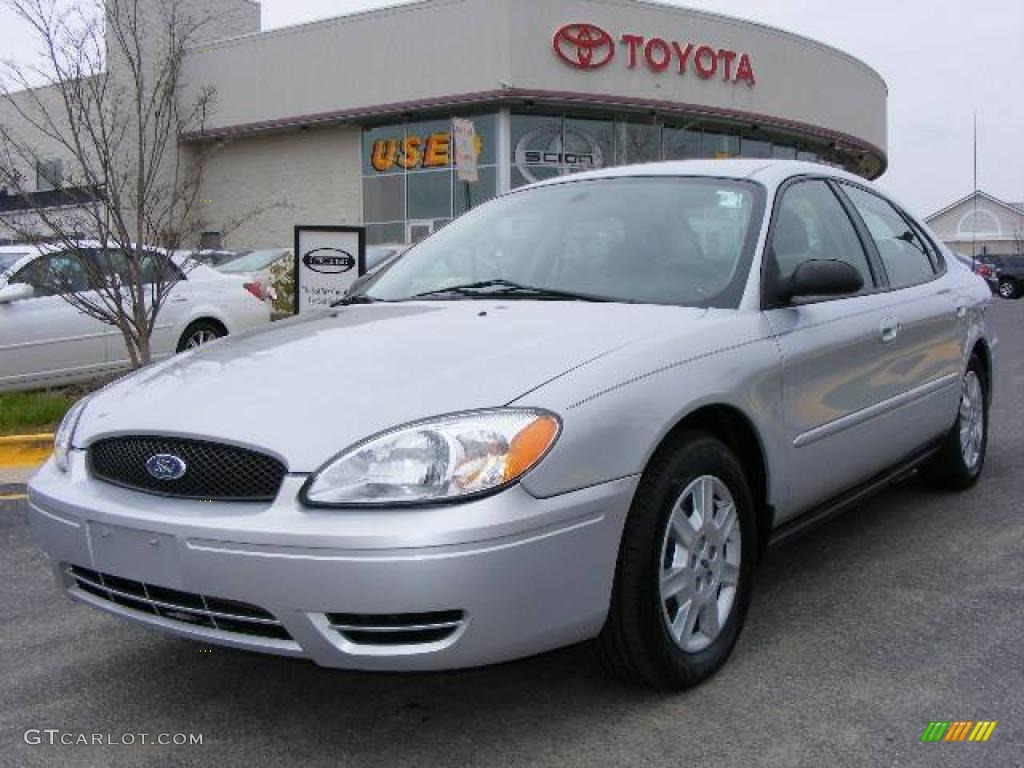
581, 411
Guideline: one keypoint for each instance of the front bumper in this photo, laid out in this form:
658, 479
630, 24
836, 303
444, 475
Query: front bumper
522, 575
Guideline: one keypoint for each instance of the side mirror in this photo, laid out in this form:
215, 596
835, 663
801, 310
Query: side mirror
16, 292
821, 278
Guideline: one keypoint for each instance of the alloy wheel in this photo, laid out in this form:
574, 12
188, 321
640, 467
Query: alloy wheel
199, 338
700, 564
972, 420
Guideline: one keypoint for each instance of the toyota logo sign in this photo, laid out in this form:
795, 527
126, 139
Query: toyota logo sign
584, 46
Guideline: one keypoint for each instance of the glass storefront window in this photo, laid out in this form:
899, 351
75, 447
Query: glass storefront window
756, 148
384, 198
469, 196
385, 234
529, 174
682, 144
809, 157
381, 149
589, 144
781, 152
430, 195
637, 143
721, 146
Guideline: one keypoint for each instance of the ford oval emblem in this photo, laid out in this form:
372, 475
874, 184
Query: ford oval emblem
164, 466
329, 261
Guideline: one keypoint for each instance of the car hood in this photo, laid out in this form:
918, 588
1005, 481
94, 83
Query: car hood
306, 389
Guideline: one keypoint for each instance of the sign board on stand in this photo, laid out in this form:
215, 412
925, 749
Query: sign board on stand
327, 261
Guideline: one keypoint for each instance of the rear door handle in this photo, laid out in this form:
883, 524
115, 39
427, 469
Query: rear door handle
889, 330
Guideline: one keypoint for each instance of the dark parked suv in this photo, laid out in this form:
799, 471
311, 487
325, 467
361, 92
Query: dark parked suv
1007, 278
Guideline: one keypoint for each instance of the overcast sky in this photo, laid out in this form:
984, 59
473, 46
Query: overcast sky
942, 60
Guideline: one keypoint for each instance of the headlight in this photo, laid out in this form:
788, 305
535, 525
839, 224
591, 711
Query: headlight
66, 432
448, 458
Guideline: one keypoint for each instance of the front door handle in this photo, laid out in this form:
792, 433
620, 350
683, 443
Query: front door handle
961, 312
889, 330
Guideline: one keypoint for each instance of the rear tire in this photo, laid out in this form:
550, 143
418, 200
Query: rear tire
685, 571
1009, 289
199, 333
961, 459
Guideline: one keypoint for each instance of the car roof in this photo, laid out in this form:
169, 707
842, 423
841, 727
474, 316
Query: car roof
769, 172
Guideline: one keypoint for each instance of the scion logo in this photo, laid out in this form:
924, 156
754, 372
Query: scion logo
584, 46
165, 466
546, 147
329, 261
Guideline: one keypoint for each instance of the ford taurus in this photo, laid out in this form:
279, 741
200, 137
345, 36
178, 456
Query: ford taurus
581, 411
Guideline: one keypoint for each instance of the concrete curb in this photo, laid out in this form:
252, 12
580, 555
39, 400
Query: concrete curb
21, 451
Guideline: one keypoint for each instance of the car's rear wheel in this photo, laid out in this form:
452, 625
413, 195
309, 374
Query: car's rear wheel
685, 569
1009, 289
199, 333
960, 460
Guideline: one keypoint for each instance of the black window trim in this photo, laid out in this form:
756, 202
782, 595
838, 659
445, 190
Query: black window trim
878, 273
938, 270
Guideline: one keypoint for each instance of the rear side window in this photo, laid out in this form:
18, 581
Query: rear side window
904, 253
812, 224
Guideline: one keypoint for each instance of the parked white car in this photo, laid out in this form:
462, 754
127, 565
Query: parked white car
45, 341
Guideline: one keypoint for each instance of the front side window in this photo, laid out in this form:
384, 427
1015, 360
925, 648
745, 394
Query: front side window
812, 225
682, 241
904, 254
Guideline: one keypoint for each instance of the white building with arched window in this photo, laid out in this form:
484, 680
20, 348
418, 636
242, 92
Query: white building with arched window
981, 224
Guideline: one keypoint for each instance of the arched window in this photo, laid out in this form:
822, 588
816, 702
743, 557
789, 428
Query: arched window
978, 222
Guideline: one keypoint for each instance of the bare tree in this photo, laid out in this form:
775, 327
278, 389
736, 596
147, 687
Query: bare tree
106, 97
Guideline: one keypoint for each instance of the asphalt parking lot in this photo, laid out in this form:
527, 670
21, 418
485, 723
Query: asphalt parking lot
906, 610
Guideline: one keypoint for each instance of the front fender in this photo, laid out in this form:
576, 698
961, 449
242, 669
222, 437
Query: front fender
618, 411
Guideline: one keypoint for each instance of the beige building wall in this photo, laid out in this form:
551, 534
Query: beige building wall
277, 181
444, 49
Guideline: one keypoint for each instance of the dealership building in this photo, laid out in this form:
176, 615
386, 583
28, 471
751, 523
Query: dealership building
349, 120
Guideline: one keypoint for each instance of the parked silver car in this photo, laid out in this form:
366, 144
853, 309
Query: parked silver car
580, 411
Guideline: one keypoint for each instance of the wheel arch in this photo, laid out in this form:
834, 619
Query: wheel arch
734, 428
984, 353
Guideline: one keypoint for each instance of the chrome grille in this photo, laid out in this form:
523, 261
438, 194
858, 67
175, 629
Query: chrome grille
184, 607
214, 472
396, 628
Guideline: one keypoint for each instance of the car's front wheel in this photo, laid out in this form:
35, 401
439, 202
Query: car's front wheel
685, 569
1008, 289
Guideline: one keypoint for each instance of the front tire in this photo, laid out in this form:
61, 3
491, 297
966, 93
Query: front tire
685, 570
959, 462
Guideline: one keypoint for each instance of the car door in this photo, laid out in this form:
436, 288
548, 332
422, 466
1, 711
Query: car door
44, 339
173, 314
835, 352
925, 369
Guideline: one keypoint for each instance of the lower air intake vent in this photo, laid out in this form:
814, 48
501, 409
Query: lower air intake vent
182, 607
396, 628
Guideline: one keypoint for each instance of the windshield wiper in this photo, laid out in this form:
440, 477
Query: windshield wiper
358, 299
507, 289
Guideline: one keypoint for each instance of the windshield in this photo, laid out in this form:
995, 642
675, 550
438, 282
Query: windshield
252, 262
660, 240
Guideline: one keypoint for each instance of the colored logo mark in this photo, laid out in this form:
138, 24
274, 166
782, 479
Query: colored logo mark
959, 730
584, 46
